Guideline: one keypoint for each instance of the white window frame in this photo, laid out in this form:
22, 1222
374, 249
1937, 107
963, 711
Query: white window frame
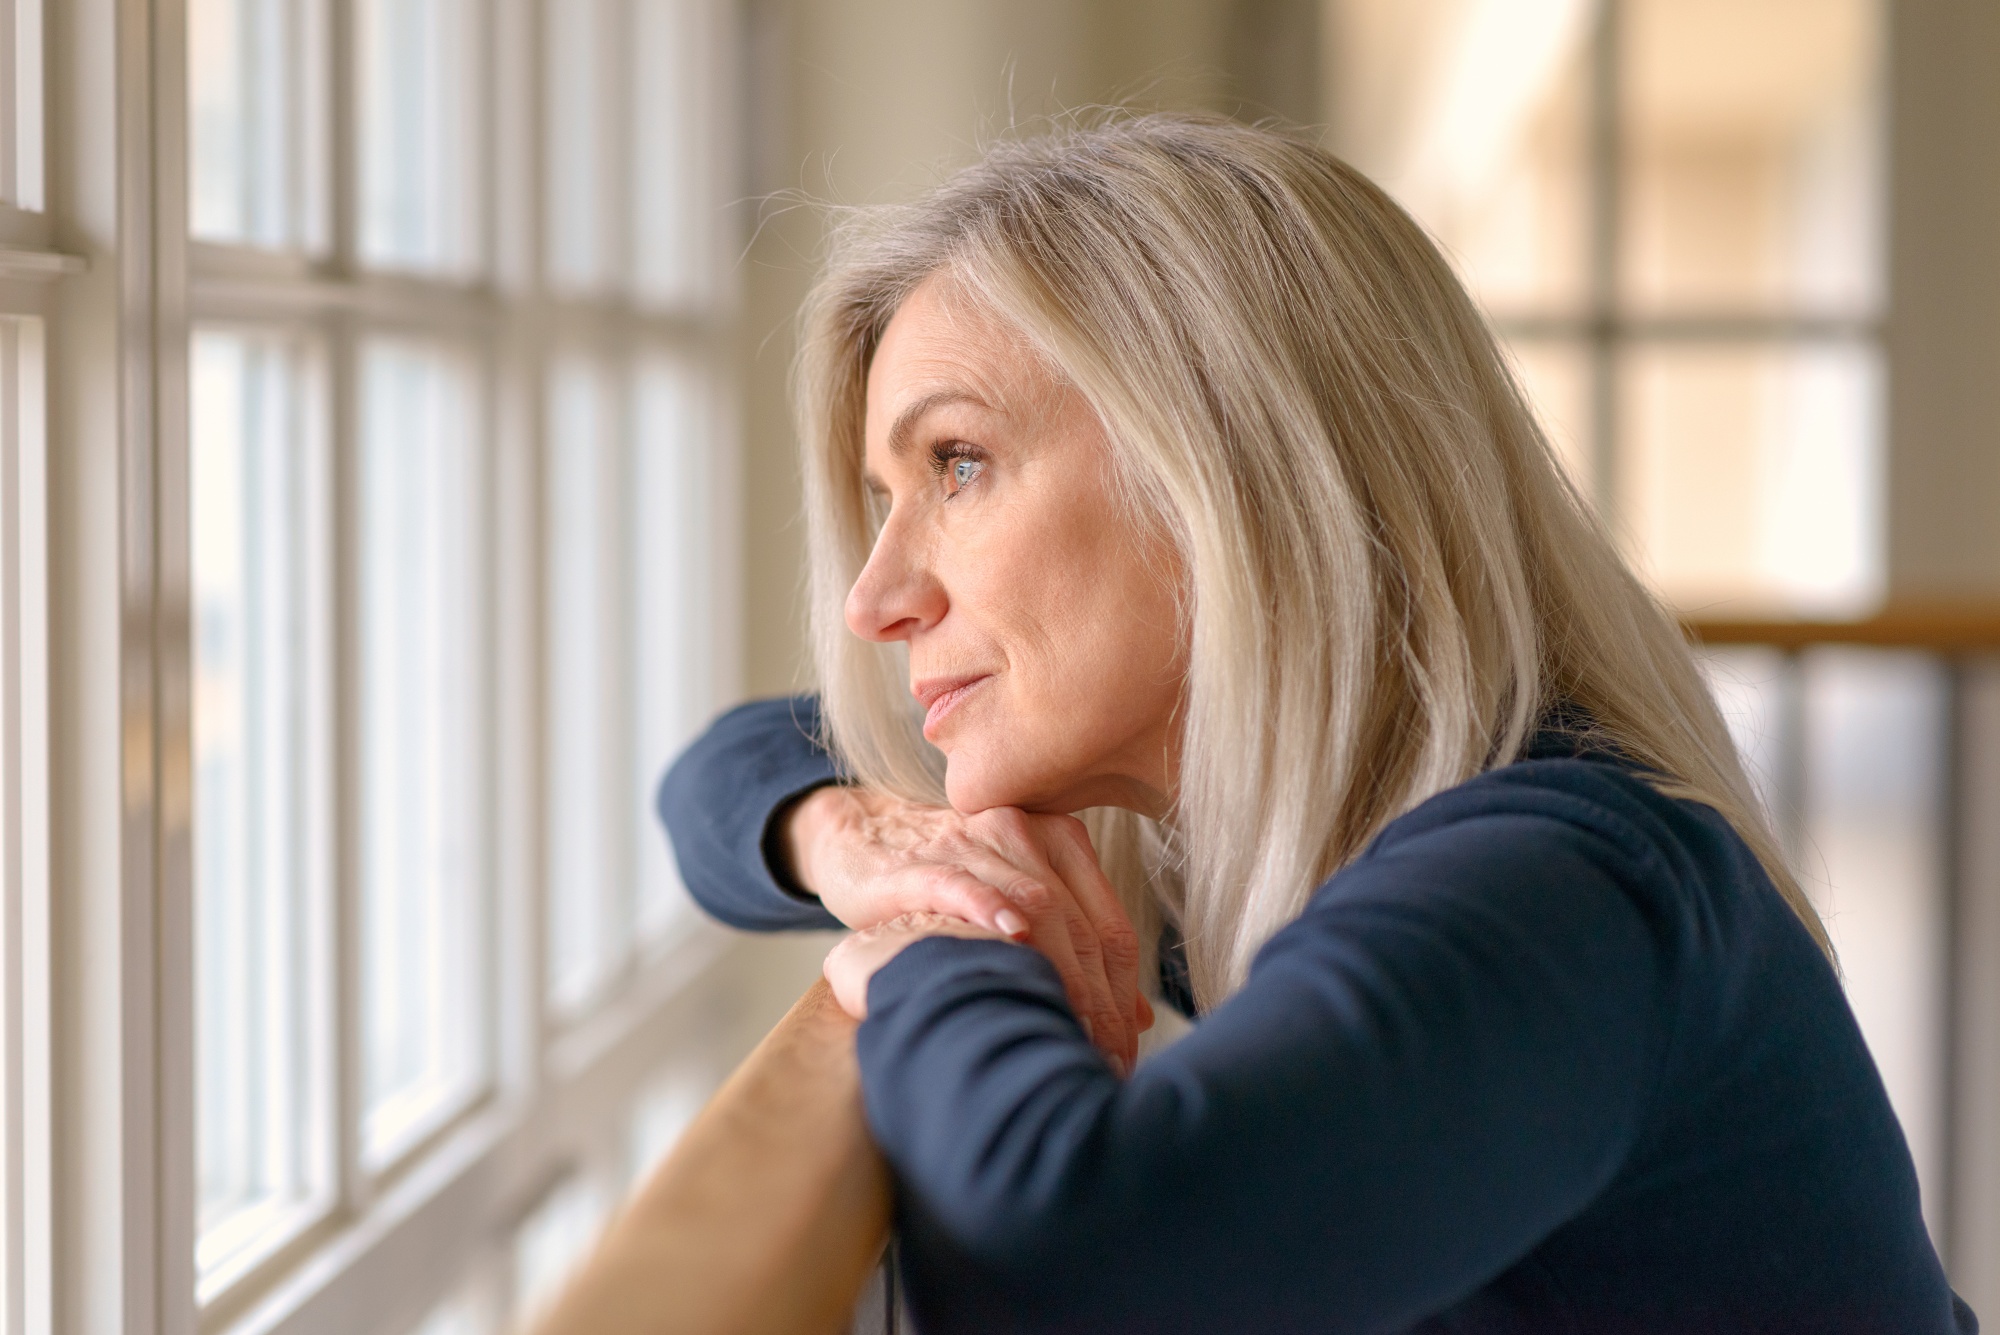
124, 1162
25, 1126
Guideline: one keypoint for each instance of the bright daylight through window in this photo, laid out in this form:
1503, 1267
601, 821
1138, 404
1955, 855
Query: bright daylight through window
457, 457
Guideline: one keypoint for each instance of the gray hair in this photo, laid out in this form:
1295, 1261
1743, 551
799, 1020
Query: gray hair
1389, 579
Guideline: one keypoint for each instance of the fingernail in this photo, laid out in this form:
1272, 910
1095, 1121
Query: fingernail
1011, 922
1088, 1032
1123, 1069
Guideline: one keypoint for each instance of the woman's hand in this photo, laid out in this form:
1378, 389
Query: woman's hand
851, 964
872, 858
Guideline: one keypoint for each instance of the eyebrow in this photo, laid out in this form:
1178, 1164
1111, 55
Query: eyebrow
903, 431
905, 426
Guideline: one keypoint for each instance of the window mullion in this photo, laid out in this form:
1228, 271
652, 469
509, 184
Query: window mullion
352, 1184
174, 672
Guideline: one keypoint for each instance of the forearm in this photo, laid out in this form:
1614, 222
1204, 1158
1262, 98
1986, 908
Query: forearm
717, 803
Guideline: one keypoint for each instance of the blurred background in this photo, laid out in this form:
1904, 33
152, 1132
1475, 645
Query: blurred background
494, 502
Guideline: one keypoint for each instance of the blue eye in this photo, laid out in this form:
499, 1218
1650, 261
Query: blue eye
957, 465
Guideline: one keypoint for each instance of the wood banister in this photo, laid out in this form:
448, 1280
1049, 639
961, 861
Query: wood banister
1938, 627
767, 1217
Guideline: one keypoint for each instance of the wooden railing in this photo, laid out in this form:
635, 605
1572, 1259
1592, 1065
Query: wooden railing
769, 1216
1943, 628
1963, 639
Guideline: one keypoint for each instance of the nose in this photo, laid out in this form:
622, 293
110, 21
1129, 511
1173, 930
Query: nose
897, 593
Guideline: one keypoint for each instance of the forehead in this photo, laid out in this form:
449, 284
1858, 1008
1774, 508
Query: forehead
943, 351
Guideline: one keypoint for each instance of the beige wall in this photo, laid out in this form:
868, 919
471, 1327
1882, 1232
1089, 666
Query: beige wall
1944, 299
864, 101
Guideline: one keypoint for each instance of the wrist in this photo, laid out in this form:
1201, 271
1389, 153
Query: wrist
802, 830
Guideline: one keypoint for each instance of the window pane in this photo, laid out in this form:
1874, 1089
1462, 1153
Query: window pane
256, 116
590, 875
260, 946
661, 1113
466, 1313
1874, 767
1751, 155
550, 1243
675, 499
677, 51
21, 91
423, 918
581, 41
1749, 476
1475, 117
1556, 375
1755, 691
417, 86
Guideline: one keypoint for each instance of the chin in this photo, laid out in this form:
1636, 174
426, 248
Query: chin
975, 780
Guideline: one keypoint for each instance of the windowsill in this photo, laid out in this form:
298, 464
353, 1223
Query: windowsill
364, 1271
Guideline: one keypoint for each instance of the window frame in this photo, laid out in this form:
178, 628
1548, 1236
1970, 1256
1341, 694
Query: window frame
1603, 330
26, 1123
398, 1240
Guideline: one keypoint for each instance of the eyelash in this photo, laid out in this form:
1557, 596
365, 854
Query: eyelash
946, 455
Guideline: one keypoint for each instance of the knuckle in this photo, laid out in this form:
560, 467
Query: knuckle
1030, 895
1120, 944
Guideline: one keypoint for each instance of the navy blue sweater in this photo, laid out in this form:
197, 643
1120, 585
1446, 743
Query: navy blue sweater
1552, 1055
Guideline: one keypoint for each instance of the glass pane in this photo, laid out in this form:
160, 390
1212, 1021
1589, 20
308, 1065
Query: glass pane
416, 83
423, 917
589, 899
1474, 116
677, 49
1756, 692
550, 1243
1751, 155
1749, 475
1874, 768
582, 111
21, 109
662, 1112
464, 1313
678, 605
256, 120
1557, 378
260, 947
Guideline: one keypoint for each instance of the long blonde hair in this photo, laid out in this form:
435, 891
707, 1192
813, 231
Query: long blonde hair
1389, 579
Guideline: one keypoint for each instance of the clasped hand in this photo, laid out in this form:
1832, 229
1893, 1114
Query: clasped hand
898, 871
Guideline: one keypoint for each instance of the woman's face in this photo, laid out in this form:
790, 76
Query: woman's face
1040, 620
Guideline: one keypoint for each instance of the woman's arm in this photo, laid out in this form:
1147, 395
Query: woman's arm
1442, 1060
719, 803
734, 800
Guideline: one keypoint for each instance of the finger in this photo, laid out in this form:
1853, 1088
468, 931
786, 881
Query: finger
1075, 860
957, 893
853, 962
1100, 932
1058, 929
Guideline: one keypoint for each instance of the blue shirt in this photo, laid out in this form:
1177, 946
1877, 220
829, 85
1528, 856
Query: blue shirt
1551, 1055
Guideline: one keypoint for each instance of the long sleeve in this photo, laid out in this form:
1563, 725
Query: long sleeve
1429, 1071
717, 801
1552, 1055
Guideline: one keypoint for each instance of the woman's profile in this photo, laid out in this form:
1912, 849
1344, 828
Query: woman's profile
1201, 619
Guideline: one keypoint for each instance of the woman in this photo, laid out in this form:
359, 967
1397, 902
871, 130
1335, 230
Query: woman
1161, 471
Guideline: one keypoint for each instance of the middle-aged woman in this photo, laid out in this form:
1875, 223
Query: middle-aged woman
1162, 472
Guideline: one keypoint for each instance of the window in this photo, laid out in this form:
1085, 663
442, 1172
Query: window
258, 524
1671, 210
458, 588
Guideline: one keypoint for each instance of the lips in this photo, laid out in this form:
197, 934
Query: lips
940, 695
